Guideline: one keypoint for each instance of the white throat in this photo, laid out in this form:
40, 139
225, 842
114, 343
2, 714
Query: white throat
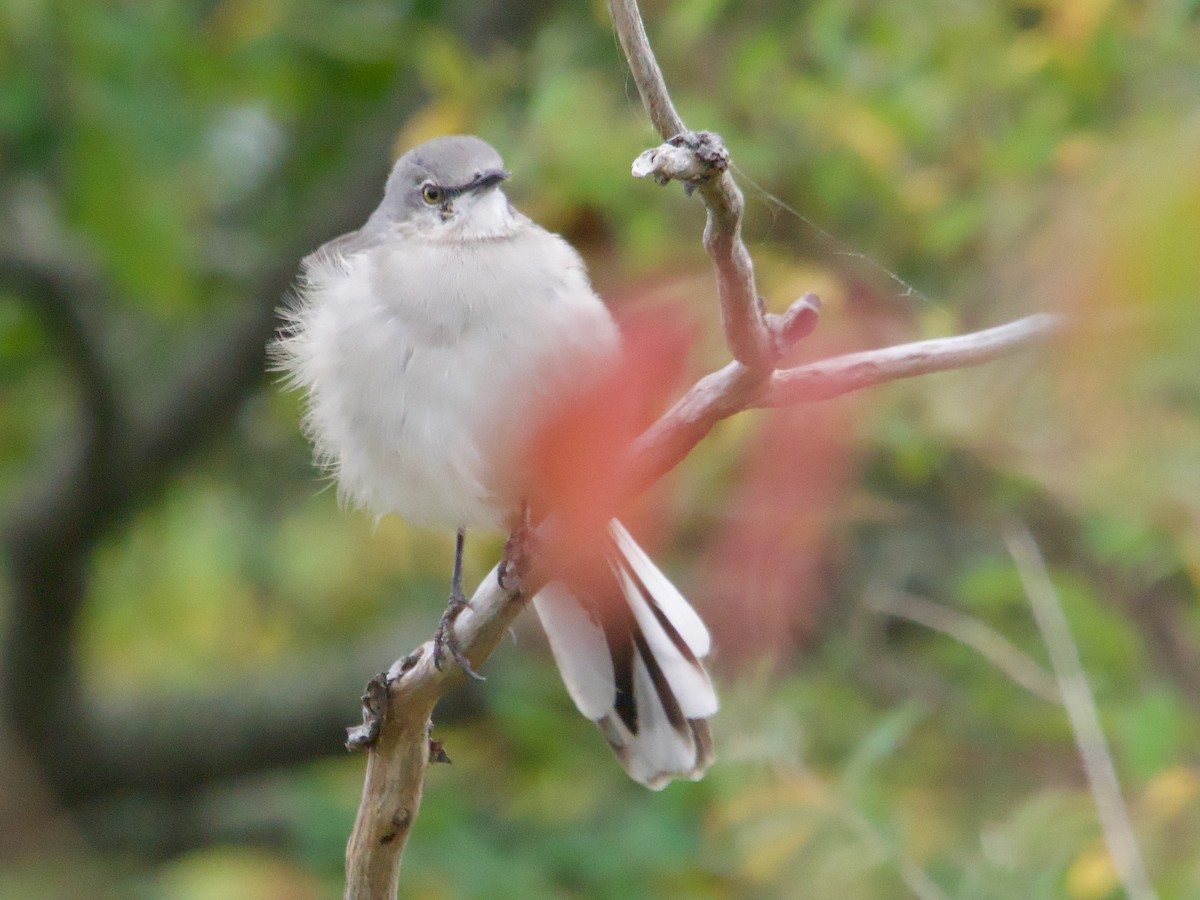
479, 217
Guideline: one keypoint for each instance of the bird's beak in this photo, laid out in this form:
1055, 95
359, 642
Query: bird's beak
487, 179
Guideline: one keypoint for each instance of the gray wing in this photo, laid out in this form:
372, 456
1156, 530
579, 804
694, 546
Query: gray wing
333, 252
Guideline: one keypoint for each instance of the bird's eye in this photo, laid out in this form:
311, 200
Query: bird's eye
431, 194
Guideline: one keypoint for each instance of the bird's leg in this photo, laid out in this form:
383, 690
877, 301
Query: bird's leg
443, 638
515, 560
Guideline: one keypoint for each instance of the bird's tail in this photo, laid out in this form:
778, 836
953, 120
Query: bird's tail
629, 652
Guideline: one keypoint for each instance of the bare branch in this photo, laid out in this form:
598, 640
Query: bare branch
1081, 710
855, 371
741, 310
733, 389
210, 388
627, 20
58, 291
398, 758
392, 789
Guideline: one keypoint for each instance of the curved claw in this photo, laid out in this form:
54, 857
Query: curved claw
445, 641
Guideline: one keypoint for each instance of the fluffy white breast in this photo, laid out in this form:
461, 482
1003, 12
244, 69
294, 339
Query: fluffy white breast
424, 359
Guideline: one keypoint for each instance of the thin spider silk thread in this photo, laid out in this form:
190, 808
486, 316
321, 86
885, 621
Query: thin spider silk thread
839, 247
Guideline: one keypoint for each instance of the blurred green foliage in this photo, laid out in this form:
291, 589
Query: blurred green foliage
926, 167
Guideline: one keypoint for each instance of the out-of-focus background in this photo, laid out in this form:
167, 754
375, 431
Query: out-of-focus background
187, 618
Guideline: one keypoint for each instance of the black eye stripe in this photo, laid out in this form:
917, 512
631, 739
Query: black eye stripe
440, 194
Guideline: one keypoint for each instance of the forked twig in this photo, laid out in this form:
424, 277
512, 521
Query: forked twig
746, 329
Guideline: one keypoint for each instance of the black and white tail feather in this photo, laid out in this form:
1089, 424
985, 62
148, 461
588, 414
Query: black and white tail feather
634, 668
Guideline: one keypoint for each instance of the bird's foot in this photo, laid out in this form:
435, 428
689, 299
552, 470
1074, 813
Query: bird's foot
444, 640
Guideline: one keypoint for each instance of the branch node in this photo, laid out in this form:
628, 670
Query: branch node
514, 563
404, 664
691, 157
375, 706
437, 752
789, 328
401, 819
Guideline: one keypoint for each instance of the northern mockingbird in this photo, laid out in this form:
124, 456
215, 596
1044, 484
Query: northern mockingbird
427, 342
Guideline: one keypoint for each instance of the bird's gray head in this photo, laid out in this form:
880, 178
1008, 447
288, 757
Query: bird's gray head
447, 187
